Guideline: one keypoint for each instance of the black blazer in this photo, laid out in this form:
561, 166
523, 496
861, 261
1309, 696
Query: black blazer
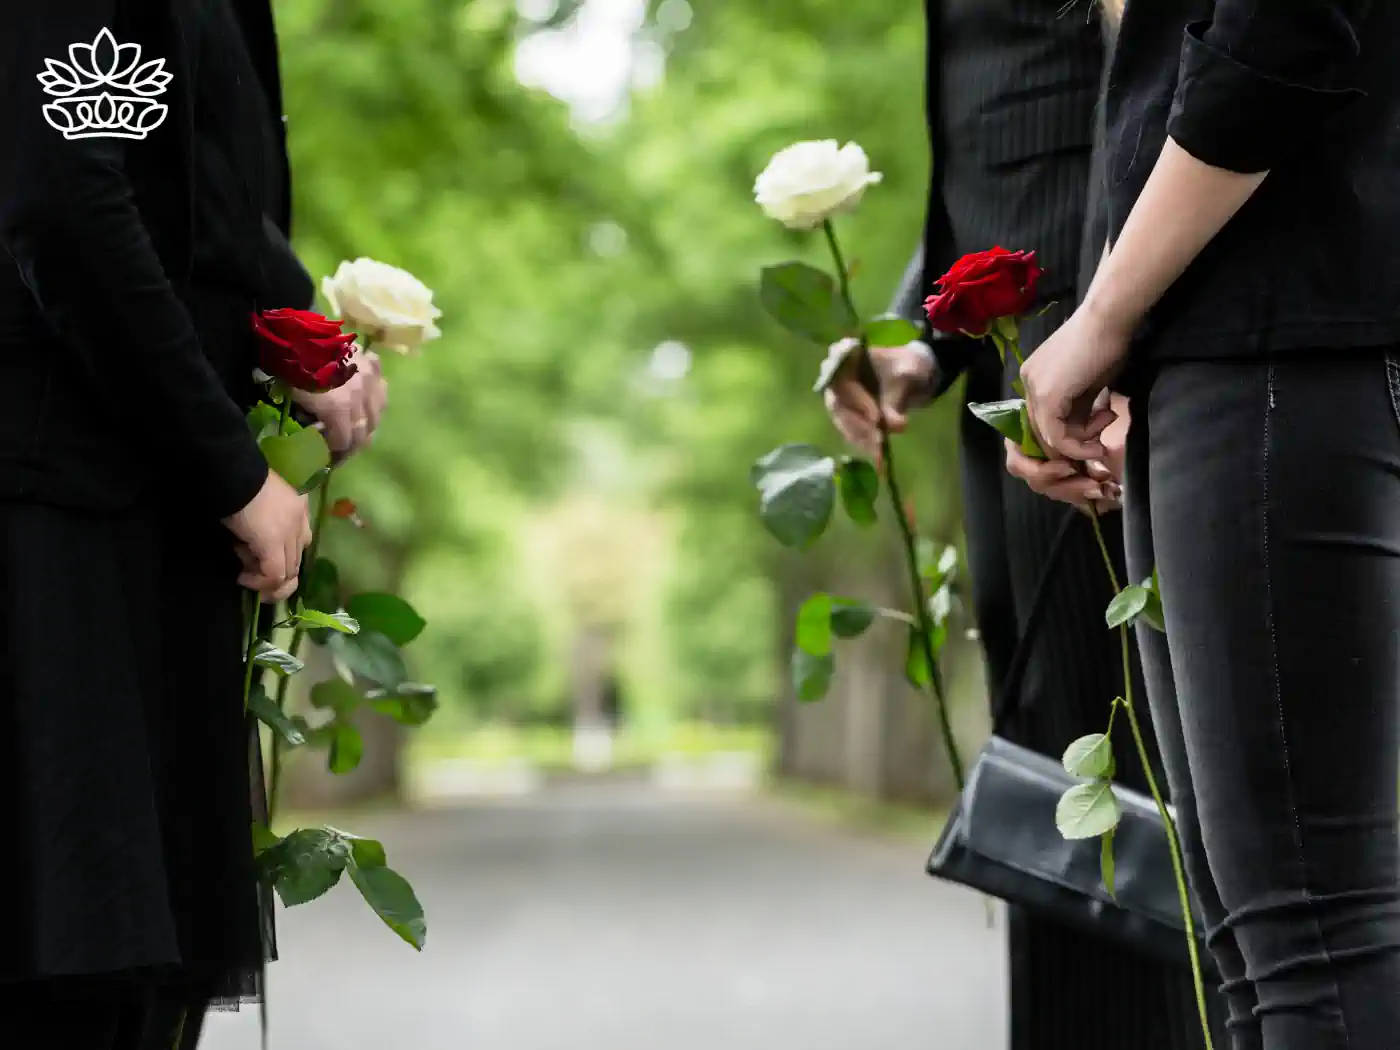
1010, 94
1308, 90
108, 376
1011, 89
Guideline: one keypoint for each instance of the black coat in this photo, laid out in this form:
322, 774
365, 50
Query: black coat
1012, 87
94, 322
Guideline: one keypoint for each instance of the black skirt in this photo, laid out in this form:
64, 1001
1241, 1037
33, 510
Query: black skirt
125, 753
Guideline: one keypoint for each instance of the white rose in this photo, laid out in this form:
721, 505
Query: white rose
390, 306
809, 182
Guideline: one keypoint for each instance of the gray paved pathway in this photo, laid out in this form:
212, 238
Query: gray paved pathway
622, 919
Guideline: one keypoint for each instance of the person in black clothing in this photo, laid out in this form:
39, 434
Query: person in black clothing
133, 504
1249, 301
1012, 90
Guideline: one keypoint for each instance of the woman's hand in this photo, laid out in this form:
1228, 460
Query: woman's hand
906, 375
1097, 483
1064, 379
272, 532
349, 414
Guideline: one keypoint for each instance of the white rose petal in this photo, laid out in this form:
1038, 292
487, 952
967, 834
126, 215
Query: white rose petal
391, 306
809, 182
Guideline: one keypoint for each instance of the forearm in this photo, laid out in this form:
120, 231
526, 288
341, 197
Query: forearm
1183, 206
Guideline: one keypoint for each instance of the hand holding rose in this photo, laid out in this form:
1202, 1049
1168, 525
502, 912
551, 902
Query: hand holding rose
1097, 484
349, 414
1064, 379
905, 373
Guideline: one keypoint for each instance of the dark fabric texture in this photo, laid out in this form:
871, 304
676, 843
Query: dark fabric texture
124, 750
1011, 103
1309, 90
127, 751
1010, 96
1276, 689
98, 251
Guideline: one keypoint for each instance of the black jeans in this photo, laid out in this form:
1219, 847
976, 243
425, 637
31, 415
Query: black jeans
1269, 495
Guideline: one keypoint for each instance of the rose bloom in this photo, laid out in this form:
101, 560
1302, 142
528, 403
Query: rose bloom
981, 288
304, 349
809, 182
392, 307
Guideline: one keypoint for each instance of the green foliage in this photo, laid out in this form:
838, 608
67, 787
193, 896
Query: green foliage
797, 491
804, 300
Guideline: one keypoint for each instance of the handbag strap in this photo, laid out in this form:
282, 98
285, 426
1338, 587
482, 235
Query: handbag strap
1008, 700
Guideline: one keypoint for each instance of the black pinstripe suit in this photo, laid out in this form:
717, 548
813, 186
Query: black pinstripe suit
1012, 87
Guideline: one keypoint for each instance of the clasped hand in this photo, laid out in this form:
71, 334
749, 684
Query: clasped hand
1079, 424
273, 531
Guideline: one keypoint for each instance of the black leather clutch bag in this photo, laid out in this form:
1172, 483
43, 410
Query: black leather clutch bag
1002, 839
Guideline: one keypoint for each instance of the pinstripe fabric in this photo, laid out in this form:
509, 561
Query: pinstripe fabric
1012, 88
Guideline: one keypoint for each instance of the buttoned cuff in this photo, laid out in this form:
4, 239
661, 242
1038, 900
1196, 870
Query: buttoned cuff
1231, 116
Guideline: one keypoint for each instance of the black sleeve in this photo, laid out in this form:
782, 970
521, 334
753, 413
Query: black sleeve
1258, 77
285, 282
69, 219
951, 353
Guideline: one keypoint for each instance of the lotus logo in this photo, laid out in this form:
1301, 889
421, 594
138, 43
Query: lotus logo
105, 91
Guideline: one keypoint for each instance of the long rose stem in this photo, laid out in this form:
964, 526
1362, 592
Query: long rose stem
1173, 841
906, 533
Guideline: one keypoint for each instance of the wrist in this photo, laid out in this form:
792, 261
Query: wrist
1111, 307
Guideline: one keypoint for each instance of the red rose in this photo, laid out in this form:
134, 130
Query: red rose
304, 349
981, 288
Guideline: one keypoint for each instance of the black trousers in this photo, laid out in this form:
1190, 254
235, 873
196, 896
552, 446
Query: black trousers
1068, 989
1268, 494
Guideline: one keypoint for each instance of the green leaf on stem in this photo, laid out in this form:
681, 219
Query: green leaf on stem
306, 864
891, 330
366, 853
1106, 865
1090, 756
369, 655
263, 419
1002, 416
392, 898
1152, 614
831, 364
812, 632
409, 704
811, 674
850, 618
1127, 605
279, 660
266, 711
917, 669
1086, 811
347, 748
315, 481
264, 838
860, 488
806, 302
341, 622
388, 614
335, 694
296, 457
797, 491
1029, 445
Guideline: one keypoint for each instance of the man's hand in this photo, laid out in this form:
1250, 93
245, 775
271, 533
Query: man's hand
273, 530
349, 414
906, 374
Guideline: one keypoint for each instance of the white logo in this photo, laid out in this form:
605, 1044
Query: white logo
106, 91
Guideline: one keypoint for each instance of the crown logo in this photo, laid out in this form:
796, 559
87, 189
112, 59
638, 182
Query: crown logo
105, 91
